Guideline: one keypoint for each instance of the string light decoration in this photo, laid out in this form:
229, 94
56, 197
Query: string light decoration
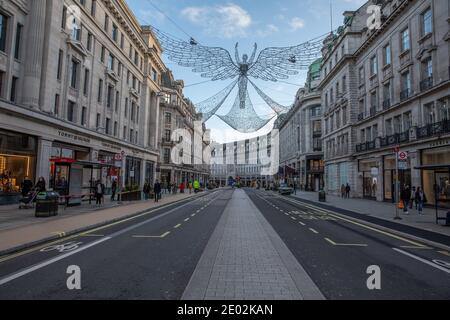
215, 63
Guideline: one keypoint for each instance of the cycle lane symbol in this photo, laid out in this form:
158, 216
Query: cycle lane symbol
66, 247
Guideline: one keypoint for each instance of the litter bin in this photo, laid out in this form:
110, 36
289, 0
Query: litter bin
322, 196
47, 204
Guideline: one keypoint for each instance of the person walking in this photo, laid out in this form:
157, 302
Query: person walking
406, 197
196, 186
413, 198
40, 185
190, 187
182, 187
421, 199
99, 192
146, 190
343, 191
113, 190
157, 190
347, 191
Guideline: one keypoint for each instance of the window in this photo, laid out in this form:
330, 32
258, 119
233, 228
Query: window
375, 131
14, 83
83, 116
122, 41
106, 26
71, 111
373, 99
427, 66
116, 108
388, 127
124, 133
406, 82
100, 90
97, 121
429, 113
133, 110
373, 66
86, 82
387, 94
405, 40
56, 106
115, 33
344, 116
427, 22
109, 97
126, 107
64, 18
18, 41
76, 30
344, 84
361, 75
102, 55
90, 39
131, 135
60, 62
93, 7
116, 127
398, 124
166, 155
111, 62
167, 135
407, 121
387, 55
108, 126
74, 73
136, 58
154, 75
168, 118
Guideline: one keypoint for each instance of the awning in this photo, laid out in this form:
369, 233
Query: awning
433, 167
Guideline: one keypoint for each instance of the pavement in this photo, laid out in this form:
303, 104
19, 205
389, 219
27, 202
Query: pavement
20, 229
231, 245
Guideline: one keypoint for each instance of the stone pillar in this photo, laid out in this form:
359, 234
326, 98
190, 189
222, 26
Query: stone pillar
43, 159
416, 179
153, 126
143, 167
34, 52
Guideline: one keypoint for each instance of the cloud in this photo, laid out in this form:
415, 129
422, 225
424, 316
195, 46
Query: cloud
226, 21
296, 23
150, 16
268, 30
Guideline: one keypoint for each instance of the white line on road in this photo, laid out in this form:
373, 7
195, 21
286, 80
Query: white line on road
314, 231
49, 262
434, 265
302, 223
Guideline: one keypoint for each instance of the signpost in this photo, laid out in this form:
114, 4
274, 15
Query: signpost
401, 158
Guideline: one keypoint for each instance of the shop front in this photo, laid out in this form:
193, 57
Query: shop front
132, 173
370, 178
389, 169
314, 174
17, 161
436, 182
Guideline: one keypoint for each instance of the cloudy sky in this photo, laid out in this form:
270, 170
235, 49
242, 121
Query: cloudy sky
277, 23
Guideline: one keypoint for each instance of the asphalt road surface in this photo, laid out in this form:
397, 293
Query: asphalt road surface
154, 255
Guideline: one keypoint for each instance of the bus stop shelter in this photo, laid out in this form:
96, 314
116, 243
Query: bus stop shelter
440, 199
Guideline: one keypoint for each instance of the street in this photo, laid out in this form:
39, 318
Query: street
273, 248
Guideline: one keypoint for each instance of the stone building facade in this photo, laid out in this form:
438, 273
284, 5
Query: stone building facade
387, 88
79, 91
178, 113
301, 155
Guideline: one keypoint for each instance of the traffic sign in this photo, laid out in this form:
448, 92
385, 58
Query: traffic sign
403, 155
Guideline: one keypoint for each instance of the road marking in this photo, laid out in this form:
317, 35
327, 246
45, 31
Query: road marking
362, 225
345, 244
156, 237
186, 220
293, 218
193, 215
49, 262
414, 247
313, 231
177, 226
302, 223
434, 265
92, 235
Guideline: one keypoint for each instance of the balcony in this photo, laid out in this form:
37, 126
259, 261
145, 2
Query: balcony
426, 84
395, 139
373, 111
387, 104
366, 146
434, 129
361, 116
405, 94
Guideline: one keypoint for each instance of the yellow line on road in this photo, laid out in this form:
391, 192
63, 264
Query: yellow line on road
153, 237
414, 247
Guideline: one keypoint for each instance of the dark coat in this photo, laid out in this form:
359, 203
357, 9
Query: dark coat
157, 188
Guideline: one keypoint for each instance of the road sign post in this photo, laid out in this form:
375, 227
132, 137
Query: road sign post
397, 184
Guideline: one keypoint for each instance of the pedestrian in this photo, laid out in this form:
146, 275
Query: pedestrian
196, 186
157, 190
413, 198
295, 188
421, 199
343, 191
26, 186
40, 185
99, 192
146, 190
190, 187
347, 191
113, 190
405, 197
182, 187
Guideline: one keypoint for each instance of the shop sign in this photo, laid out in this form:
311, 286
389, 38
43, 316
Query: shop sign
403, 156
403, 165
111, 146
374, 172
73, 137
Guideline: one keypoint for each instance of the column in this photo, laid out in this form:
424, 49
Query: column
143, 167
43, 159
34, 52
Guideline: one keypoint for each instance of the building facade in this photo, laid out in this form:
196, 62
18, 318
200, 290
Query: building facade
178, 115
79, 84
301, 156
386, 89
